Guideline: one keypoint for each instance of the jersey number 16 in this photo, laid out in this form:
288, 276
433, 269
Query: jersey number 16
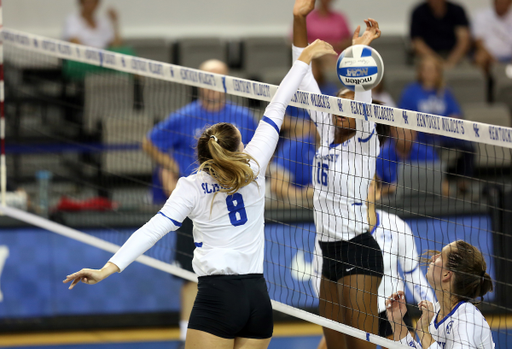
321, 173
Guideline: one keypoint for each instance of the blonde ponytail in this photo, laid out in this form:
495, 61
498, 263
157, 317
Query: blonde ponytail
218, 156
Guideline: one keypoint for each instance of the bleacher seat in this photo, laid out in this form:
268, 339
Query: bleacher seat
191, 52
128, 130
262, 54
467, 84
273, 76
397, 78
106, 93
495, 114
24, 166
157, 49
420, 179
393, 50
502, 74
163, 97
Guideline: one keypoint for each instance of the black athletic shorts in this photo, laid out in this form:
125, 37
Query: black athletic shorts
230, 306
385, 329
185, 245
358, 256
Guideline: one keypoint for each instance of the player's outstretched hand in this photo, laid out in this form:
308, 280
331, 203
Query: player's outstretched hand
302, 8
371, 33
317, 49
91, 276
427, 313
395, 307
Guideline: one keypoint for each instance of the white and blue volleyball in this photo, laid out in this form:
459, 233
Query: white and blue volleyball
360, 68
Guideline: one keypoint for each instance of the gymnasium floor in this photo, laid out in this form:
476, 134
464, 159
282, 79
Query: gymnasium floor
296, 335
286, 336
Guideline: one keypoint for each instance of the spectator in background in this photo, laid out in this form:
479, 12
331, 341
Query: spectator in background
440, 28
291, 170
402, 147
87, 28
380, 94
329, 25
171, 145
320, 68
492, 28
430, 95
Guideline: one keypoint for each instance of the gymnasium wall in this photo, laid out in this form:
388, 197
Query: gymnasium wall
37, 261
226, 18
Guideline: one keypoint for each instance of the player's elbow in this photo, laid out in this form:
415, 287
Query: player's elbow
147, 146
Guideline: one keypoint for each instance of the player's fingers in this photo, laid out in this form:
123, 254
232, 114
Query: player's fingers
75, 281
374, 23
329, 48
395, 296
356, 32
71, 277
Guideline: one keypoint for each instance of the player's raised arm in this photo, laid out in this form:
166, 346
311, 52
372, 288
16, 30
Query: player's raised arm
300, 11
266, 137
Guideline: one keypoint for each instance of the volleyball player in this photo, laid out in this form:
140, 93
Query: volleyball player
398, 247
171, 146
225, 200
396, 240
458, 275
344, 167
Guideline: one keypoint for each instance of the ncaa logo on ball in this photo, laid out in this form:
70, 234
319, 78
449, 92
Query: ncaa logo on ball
360, 68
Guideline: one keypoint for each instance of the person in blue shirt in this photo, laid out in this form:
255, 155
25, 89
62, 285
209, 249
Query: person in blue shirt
401, 147
291, 171
430, 95
171, 145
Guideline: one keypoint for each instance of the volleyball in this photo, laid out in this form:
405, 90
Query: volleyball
360, 68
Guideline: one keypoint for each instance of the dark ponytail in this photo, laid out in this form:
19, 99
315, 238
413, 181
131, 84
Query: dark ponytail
468, 264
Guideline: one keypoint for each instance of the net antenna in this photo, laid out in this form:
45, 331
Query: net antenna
3, 167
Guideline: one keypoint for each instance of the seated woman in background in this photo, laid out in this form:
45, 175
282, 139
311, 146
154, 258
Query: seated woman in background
87, 28
430, 95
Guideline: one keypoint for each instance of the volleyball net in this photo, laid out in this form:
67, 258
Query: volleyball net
77, 117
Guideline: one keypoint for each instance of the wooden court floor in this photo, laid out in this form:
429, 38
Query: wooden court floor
131, 335
304, 330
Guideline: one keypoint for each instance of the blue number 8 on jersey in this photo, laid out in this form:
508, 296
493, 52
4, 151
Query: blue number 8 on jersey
236, 208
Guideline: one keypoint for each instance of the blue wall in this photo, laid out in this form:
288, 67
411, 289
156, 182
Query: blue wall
38, 261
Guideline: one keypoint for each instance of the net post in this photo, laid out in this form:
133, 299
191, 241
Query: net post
3, 169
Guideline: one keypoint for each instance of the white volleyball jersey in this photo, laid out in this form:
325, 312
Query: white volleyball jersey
396, 240
341, 172
228, 229
463, 328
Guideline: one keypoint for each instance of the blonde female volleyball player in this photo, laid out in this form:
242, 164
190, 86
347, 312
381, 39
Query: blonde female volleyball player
458, 275
225, 200
343, 169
